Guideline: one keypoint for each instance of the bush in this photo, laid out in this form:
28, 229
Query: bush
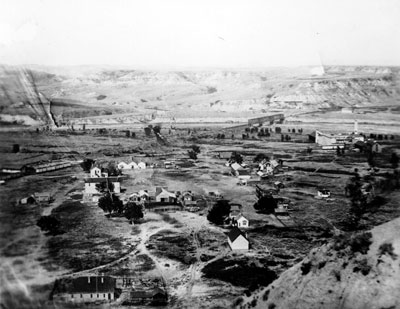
361, 242
387, 248
49, 224
305, 268
362, 266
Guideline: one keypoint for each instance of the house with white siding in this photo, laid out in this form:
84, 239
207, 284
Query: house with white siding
237, 240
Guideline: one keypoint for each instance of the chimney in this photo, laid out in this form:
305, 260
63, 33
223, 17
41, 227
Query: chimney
88, 279
158, 190
355, 127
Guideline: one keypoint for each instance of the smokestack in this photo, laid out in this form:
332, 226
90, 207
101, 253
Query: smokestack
355, 127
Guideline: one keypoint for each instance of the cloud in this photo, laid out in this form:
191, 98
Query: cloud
10, 35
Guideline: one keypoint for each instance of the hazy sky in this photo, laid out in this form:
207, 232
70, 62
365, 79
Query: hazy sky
203, 33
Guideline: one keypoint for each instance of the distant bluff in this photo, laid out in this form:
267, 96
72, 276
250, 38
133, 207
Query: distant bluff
358, 272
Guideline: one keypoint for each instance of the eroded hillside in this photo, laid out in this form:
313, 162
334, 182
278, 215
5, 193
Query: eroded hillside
357, 272
171, 95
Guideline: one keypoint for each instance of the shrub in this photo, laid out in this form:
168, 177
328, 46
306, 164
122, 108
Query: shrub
305, 268
336, 274
265, 295
361, 242
362, 266
387, 248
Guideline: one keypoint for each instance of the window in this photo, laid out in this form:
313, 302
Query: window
97, 295
81, 296
91, 295
104, 295
72, 295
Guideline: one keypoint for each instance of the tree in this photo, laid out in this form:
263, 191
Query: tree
219, 211
259, 157
110, 203
15, 148
266, 204
147, 131
358, 201
118, 205
106, 203
133, 212
192, 154
112, 169
236, 157
394, 160
87, 165
49, 224
196, 149
157, 129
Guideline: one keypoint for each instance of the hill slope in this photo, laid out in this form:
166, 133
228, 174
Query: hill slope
357, 273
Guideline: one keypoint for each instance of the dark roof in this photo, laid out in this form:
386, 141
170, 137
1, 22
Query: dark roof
103, 179
235, 233
98, 284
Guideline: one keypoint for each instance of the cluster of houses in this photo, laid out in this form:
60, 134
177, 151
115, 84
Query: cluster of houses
265, 168
237, 239
132, 165
164, 200
106, 289
269, 167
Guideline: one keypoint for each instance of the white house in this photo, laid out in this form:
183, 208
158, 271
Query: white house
242, 222
237, 240
123, 166
163, 196
141, 165
95, 172
133, 165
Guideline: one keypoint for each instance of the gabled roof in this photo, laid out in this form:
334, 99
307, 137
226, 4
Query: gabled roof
242, 217
165, 192
96, 284
235, 233
143, 192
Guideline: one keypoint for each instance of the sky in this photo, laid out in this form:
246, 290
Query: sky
200, 34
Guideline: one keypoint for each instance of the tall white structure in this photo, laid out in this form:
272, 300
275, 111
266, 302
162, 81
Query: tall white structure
355, 127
